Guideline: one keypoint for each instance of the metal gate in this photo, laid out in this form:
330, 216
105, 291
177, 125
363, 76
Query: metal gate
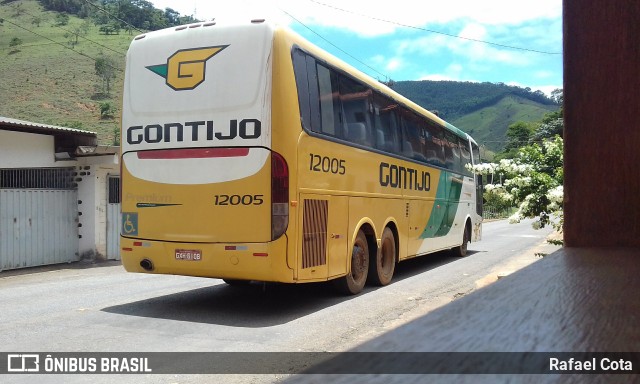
38, 217
113, 218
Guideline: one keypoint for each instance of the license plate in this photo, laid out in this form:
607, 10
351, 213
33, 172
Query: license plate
189, 254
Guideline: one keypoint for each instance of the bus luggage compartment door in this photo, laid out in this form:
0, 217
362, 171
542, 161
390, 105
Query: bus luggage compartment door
323, 237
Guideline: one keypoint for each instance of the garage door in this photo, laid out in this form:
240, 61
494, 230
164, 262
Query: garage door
38, 217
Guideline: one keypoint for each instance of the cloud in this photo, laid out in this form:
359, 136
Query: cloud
541, 75
475, 51
393, 64
437, 77
546, 89
364, 16
473, 31
453, 72
381, 61
358, 16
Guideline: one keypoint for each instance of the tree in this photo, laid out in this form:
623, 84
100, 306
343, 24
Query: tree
18, 10
36, 20
549, 129
552, 123
68, 6
106, 110
110, 28
532, 181
557, 95
78, 31
105, 68
14, 43
62, 19
116, 136
172, 16
518, 135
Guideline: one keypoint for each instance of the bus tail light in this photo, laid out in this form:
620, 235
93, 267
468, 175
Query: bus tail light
279, 195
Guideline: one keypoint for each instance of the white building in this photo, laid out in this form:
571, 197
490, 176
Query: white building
59, 195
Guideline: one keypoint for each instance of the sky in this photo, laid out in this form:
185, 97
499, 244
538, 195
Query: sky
512, 42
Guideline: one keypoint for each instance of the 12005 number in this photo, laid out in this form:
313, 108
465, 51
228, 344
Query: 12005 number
239, 199
326, 164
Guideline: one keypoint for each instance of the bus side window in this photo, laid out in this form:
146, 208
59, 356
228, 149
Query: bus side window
386, 124
476, 153
329, 103
314, 94
414, 137
452, 152
302, 84
434, 150
465, 156
355, 104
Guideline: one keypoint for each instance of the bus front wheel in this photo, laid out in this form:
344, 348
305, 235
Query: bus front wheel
354, 281
461, 251
381, 269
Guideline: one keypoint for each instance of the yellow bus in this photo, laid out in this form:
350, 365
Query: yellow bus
249, 154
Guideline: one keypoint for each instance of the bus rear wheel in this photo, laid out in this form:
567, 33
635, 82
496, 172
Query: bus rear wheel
381, 269
353, 282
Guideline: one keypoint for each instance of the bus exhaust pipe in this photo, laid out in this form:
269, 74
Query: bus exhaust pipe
146, 264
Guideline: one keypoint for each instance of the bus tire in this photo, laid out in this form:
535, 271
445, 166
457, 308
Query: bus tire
236, 282
461, 250
381, 269
356, 277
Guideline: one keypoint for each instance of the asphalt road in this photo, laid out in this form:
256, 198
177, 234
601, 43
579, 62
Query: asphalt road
102, 308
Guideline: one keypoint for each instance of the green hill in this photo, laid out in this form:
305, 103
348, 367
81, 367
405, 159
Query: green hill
453, 99
488, 125
48, 75
47, 78
484, 110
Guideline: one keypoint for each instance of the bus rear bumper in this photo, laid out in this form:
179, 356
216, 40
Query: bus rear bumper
248, 261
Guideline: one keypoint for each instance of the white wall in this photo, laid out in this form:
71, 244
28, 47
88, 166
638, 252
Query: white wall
93, 192
28, 150
86, 203
102, 197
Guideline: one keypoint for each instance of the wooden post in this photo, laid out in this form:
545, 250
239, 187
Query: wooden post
602, 123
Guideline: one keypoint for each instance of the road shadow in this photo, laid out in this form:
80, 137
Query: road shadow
257, 304
251, 306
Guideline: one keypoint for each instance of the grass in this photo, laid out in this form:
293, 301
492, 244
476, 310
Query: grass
488, 126
46, 79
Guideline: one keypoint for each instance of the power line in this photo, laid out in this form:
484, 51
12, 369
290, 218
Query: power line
58, 43
77, 34
434, 31
335, 46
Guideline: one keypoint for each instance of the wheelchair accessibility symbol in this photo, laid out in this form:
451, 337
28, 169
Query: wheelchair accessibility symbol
130, 223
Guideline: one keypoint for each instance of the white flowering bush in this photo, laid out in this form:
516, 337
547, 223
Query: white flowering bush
532, 181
